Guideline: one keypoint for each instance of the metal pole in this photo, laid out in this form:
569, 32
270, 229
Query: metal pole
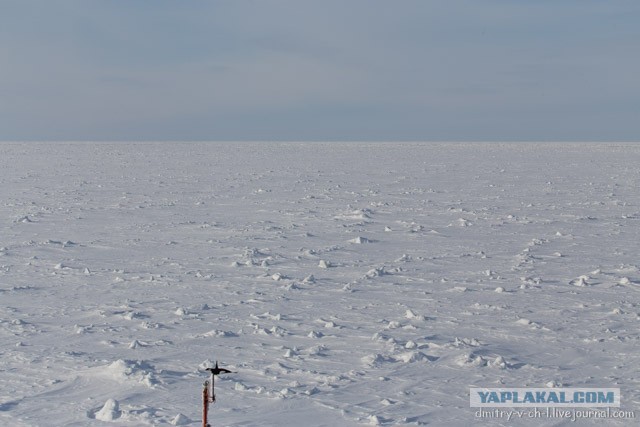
205, 404
213, 389
209, 394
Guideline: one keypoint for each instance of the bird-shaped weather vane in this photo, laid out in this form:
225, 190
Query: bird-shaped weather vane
209, 394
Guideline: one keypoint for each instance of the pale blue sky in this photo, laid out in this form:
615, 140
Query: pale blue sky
320, 70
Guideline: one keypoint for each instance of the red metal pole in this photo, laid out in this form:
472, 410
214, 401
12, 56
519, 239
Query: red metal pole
205, 404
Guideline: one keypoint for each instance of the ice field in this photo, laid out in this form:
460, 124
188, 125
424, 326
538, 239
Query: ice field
346, 284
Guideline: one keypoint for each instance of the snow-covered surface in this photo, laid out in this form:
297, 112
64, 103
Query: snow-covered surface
347, 284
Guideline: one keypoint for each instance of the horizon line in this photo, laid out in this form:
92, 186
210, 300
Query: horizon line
320, 141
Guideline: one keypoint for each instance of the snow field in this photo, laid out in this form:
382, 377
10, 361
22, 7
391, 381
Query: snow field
347, 284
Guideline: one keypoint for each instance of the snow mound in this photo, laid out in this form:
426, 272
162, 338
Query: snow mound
218, 333
404, 258
109, 412
466, 342
359, 240
315, 334
410, 314
375, 272
181, 311
499, 363
180, 420
471, 360
135, 344
130, 370
625, 281
412, 356
461, 222
374, 359
374, 420
358, 214
580, 281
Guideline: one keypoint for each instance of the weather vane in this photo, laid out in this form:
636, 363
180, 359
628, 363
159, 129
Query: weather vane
209, 394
